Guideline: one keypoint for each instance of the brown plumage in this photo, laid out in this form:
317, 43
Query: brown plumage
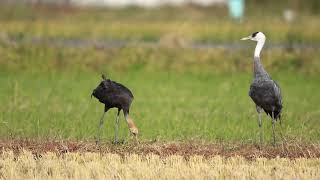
115, 95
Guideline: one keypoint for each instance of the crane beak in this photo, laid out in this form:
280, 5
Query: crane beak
245, 38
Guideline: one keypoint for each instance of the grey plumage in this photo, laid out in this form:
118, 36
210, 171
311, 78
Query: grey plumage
264, 91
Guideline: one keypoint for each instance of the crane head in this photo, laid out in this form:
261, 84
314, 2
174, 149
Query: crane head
100, 90
256, 36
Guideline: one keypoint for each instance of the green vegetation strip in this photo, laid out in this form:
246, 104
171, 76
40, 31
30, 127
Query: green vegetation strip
185, 23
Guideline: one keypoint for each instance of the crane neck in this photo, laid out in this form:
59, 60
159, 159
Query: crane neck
259, 47
259, 71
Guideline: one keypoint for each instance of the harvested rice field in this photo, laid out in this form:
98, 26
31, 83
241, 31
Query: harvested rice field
132, 166
84, 160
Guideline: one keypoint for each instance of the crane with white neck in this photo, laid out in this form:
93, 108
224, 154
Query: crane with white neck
264, 91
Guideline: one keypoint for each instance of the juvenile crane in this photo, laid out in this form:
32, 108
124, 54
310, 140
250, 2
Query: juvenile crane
264, 91
114, 95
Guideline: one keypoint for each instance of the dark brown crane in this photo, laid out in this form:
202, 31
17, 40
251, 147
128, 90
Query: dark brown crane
115, 95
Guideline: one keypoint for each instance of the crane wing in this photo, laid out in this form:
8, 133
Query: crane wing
277, 92
267, 95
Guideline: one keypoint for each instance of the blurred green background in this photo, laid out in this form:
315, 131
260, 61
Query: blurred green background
188, 70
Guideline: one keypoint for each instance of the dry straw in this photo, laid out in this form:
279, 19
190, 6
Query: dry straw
87, 165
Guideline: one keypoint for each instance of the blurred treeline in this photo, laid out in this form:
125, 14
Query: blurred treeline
174, 29
252, 8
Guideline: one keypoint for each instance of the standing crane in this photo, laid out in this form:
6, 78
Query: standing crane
264, 91
114, 95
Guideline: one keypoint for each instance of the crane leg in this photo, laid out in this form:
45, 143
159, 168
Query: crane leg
132, 127
273, 130
260, 129
100, 126
116, 138
259, 110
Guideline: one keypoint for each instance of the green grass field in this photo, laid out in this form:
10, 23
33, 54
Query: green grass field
167, 106
181, 94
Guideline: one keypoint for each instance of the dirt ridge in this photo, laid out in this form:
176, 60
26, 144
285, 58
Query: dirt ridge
164, 149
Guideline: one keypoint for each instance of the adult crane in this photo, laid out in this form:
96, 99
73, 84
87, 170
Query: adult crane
114, 95
264, 91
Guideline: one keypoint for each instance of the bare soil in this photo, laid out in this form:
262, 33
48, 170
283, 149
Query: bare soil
164, 149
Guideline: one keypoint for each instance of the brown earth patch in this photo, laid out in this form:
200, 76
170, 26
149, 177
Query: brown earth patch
164, 149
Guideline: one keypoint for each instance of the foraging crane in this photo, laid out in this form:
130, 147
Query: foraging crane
264, 91
114, 95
